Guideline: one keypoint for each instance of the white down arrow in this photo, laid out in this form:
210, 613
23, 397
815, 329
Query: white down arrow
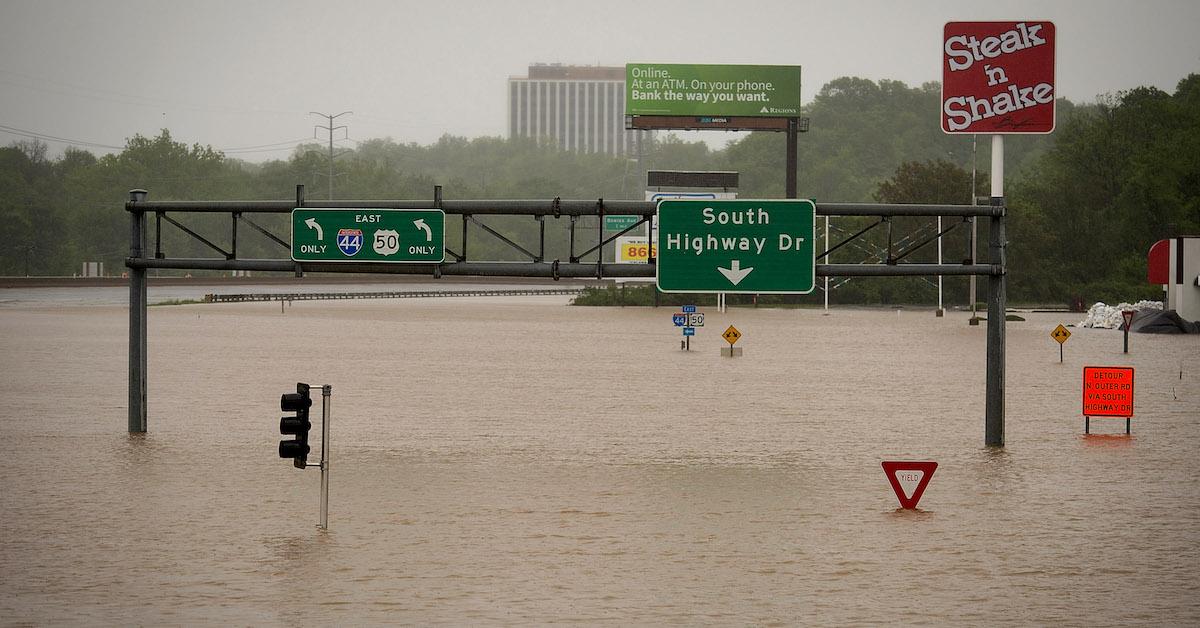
736, 274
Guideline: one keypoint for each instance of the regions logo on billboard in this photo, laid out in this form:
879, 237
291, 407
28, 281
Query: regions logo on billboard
998, 77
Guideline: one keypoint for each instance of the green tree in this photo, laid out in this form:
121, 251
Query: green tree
1120, 176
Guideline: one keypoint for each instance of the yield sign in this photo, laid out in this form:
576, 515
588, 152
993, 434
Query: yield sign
909, 479
1128, 316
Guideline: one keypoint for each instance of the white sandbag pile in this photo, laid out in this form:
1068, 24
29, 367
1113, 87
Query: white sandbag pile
1109, 316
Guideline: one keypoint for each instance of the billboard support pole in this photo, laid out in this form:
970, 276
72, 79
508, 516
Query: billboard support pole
994, 404
792, 147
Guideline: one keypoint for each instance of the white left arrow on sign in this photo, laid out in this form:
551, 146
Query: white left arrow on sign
420, 224
736, 274
312, 224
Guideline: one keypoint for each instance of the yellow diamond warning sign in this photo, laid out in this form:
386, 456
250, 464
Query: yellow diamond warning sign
731, 335
1060, 334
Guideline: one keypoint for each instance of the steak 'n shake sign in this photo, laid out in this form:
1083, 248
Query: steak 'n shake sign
998, 77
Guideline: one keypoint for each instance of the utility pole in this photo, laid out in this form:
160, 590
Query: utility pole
331, 129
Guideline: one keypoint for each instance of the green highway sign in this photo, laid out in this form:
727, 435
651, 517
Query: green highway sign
737, 246
620, 222
673, 89
413, 236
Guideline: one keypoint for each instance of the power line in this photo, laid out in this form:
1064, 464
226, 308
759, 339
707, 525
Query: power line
67, 89
54, 138
266, 148
292, 142
258, 148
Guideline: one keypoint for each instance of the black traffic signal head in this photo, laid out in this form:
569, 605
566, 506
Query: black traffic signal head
297, 448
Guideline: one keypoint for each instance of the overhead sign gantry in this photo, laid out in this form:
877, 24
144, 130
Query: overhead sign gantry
145, 255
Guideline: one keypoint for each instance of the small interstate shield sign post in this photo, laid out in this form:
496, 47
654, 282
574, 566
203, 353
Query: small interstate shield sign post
909, 479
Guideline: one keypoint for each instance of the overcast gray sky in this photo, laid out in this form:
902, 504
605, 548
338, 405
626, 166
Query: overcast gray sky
237, 74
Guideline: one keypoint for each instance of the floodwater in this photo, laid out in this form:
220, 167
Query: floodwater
514, 461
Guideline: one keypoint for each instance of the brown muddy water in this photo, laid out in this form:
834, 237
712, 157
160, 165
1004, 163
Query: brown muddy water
515, 461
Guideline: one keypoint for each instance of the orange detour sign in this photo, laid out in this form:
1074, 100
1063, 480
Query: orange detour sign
908, 479
1107, 392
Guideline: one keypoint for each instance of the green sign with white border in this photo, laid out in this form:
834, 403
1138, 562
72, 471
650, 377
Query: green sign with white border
739, 246
413, 236
620, 222
672, 89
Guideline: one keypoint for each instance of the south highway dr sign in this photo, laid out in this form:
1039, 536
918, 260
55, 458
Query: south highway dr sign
736, 246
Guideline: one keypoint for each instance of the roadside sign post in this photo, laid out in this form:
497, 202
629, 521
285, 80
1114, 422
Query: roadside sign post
1107, 392
689, 319
1061, 334
1127, 315
731, 335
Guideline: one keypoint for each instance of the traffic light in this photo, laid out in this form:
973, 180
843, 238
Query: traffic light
298, 425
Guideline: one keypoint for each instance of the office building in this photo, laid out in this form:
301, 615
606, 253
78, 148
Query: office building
581, 108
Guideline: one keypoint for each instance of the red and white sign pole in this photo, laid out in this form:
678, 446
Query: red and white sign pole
997, 78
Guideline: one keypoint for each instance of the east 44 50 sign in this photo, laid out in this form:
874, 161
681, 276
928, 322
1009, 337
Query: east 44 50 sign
415, 236
738, 246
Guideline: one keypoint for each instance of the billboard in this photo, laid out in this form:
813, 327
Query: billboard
998, 77
634, 250
671, 89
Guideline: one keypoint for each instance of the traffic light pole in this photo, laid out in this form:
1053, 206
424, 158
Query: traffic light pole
298, 426
326, 390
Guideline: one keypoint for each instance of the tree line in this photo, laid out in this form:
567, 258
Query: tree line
1085, 202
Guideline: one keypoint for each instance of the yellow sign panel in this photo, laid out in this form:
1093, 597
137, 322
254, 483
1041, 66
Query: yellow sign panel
636, 252
731, 335
1060, 334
